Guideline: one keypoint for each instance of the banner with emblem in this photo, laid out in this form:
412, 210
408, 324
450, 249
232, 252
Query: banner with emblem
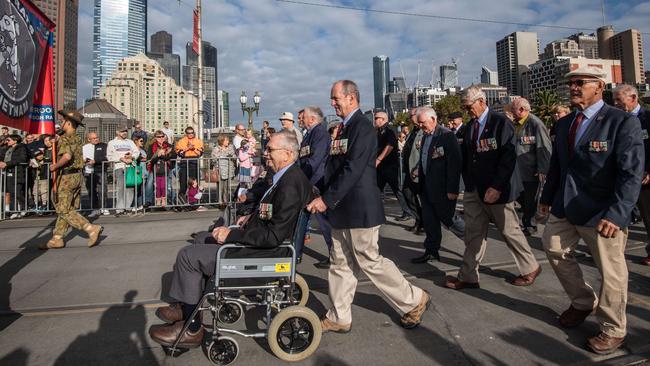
26, 87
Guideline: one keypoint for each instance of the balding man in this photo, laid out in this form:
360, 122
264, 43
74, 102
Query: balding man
592, 186
355, 210
387, 161
626, 97
533, 146
491, 185
240, 134
268, 226
94, 155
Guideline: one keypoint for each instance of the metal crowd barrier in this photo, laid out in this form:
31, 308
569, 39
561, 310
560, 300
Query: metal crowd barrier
107, 191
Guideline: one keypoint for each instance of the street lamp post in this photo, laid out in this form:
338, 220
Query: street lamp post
243, 99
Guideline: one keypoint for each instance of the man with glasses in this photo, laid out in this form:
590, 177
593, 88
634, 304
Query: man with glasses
94, 154
492, 184
286, 119
189, 149
593, 183
138, 133
122, 152
240, 135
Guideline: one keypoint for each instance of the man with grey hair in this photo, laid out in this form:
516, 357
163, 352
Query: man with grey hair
94, 154
266, 228
314, 151
439, 175
533, 147
626, 97
410, 163
492, 183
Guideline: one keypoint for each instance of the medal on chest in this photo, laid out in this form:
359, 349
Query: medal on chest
266, 211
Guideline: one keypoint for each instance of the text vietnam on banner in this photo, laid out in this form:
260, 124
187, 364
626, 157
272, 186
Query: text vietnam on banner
25, 35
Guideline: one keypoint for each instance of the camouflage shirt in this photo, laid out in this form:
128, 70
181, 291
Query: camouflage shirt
71, 144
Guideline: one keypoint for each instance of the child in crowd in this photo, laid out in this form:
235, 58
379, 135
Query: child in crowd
245, 164
194, 194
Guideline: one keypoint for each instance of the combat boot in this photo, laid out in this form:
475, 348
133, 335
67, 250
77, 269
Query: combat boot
55, 243
93, 233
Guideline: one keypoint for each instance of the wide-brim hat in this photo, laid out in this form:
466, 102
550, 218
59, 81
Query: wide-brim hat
122, 127
454, 115
286, 115
73, 116
587, 71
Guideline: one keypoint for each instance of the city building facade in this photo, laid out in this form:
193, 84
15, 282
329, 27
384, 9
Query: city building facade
448, 76
562, 47
488, 76
161, 42
381, 76
587, 43
514, 53
223, 108
210, 80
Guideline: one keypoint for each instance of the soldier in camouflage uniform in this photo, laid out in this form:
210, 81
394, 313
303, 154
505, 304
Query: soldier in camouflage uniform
68, 184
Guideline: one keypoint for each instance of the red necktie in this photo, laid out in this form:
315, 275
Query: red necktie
475, 127
573, 130
339, 130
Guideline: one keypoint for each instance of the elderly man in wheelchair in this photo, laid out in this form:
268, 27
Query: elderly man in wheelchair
228, 253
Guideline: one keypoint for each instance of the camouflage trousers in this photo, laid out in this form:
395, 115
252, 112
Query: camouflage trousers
68, 196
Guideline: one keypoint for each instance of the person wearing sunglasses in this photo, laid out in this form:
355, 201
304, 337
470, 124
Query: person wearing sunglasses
189, 149
593, 183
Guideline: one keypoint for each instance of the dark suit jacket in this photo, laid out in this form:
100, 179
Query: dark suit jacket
289, 196
644, 118
443, 172
350, 190
593, 185
494, 168
313, 165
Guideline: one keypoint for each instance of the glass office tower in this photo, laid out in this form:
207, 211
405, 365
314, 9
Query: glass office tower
119, 30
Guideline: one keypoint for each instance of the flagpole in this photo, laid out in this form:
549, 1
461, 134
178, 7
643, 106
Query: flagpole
200, 69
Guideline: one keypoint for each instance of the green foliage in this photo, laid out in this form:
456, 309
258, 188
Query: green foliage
543, 103
447, 105
402, 119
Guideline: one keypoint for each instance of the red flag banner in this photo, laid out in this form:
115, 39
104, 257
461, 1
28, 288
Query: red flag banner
26, 37
195, 38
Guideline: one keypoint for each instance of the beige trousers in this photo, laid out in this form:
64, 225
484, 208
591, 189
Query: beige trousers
357, 249
560, 238
477, 218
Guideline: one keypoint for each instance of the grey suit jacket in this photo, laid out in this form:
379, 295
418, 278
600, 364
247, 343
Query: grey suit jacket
533, 147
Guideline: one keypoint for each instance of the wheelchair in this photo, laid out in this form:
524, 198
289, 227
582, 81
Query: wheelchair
293, 331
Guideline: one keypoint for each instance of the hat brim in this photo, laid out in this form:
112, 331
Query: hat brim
65, 117
579, 74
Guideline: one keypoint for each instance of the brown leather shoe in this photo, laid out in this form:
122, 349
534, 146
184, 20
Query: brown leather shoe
604, 344
166, 335
414, 317
329, 326
573, 317
456, 284
527, 279
170, 313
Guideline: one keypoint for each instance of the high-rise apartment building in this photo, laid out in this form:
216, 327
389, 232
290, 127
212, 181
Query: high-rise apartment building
587, 43
141, 90
65, 14
562, 47
223, 108
514, 53
210, 79
161, 42
119, 30
627, 47
381, 76
489, 77
448, 76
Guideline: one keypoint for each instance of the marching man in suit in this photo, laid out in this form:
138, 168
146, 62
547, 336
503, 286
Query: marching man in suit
439, 175
492, 183
351, 199
593, 183
626, 97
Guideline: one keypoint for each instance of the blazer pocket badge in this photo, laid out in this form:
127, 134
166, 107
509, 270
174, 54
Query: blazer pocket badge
339, 147
527, 140
598, 146
644, 133
305, 151
266, 211
438, 152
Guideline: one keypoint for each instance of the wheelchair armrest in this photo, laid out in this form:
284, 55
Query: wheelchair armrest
224, 248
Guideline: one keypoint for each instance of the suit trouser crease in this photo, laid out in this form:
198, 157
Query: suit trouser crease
433, 215
477, 220
528, 201
559, 239
357, 250
412, 200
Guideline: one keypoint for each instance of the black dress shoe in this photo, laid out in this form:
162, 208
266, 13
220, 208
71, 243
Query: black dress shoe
426, 257
324, 264
403, 218
299, 259
419, 231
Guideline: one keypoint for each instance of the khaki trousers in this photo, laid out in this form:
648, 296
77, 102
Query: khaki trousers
560, 238
357, 249
477, 218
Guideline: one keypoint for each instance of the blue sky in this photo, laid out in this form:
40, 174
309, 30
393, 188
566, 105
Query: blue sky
292, 53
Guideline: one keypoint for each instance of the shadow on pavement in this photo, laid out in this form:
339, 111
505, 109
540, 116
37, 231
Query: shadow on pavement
120, 339
17, 357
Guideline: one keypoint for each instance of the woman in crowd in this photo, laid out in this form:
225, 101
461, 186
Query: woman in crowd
142, 161
160, 153
224, 154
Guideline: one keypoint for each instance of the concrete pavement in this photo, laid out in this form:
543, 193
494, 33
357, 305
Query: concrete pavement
93, 306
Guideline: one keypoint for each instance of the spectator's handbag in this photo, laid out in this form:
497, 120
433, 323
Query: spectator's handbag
211, 175
133, 176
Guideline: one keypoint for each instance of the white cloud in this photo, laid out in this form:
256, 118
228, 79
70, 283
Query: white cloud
292, 53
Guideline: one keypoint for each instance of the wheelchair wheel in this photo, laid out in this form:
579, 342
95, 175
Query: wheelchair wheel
230, 312
223, 351
301, 291
294, 333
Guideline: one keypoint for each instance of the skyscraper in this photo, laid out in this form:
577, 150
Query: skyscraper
515, 52
448, 76
210, 79
488, 76
161, 52
161, 42
627, 46
381, 76
119, 30
65, 13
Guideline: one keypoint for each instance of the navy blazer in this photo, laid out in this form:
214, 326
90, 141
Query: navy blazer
600, 181
496, 168
644, 118
313, 164
443, 166
350, 190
